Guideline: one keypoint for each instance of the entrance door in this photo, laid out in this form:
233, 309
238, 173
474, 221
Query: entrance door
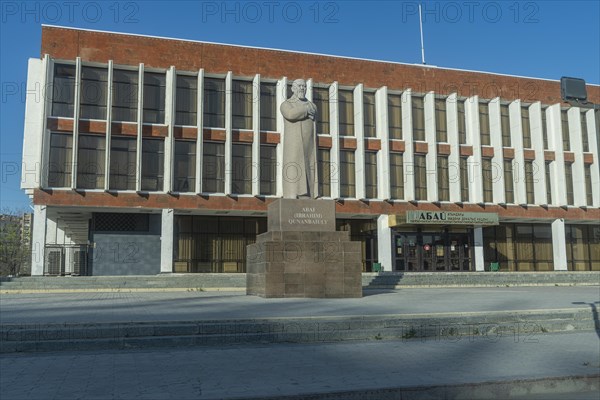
432, 251
459, 252
406, 252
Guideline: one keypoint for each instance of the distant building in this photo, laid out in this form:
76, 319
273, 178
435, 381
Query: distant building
161, 155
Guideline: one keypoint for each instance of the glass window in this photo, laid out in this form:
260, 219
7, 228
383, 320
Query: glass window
369, 114
569, 183
509, 185
443, 179
63, 90
526, 127
186, 104
564, 119
324, 172
583, 247
371, 174
505, 125
94, 87
268, 106
122, 163
90, 161
241, 104
184, 166
213, 168
125, 95
418, 117
420, 177
487, 176
321, 100
587, 168
347, 174
544, 128
268, 170
153, 164
529, 182
462, 124
440, 120
346, 108
214, 103
241, 182
548, 182
395, 116
61, 160
484, 123
154, 97
396, 176
584, 133
464, 179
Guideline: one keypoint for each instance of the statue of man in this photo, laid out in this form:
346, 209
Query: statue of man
299, 145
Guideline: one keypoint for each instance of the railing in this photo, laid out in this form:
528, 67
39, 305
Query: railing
65, 260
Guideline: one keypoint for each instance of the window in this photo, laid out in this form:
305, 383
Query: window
569, 183
268, 106
369, 114
63, 90
184, 166
241, 180
584, 133
153, 161
505, 125
519, 247
268, 170
529, 181
509, 183
154, 97
487, 176
484, 124
544, 129
420, 177
241, 107
418, 117
371, 174
443, 179
321, 100
61, 160
548, 182
94, 86
213, 168
186, 103
90, 161
440, 120
464, 179
395, 116
346, 109
396, 176
583, 247
587, 169
214, 103
526, 127
122, 163
347, 174
564, 119
462, 123
324, 172
125, 95
289, 92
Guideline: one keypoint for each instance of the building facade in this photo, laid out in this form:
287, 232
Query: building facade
147, 155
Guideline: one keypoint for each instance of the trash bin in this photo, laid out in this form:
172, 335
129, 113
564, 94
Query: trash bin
377, 267
495, 266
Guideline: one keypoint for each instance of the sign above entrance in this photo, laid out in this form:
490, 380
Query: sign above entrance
444, 218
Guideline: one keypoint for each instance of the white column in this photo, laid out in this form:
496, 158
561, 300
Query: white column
170, 115
478, 241
140, 126
334, 127
228, 132
498, 184
557, 168
256, 136
431, 156
383, 155
453, 140
76, 112
359, 134
516, 138
38, 240
537, 142
474, 140
409, 151
595, 167
109, 96
559, 245
577, 148
33, 136
384, 243
199, 131
166, 240
280, 98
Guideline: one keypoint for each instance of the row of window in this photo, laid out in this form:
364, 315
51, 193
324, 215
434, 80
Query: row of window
123, 156
94, 93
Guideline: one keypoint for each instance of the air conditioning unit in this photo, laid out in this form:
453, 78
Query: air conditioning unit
54, 262
79, 262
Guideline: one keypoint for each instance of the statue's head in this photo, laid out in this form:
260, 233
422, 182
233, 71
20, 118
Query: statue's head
299, 88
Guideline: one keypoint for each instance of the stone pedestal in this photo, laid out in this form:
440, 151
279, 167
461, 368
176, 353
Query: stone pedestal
302, 255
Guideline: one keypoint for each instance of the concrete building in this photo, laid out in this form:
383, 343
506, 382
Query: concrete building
146, 155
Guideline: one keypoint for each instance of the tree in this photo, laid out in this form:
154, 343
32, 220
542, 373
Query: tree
13, 252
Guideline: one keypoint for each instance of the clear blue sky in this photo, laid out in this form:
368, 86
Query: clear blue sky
545, 39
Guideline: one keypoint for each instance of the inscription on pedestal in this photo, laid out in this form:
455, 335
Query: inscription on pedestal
306, 215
